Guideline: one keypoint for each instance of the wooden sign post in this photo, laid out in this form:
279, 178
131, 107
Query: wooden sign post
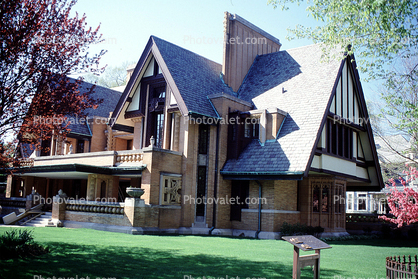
306, 243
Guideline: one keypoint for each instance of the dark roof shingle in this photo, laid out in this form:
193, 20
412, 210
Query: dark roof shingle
295, 81
196, 77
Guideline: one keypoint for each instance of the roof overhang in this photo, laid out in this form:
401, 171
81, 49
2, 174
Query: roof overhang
78, 171
262, 175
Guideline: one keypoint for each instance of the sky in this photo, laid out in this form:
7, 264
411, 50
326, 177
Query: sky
126, 25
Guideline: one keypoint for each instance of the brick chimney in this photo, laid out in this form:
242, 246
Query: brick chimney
243, 41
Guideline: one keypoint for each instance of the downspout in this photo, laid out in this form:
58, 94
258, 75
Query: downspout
91, 134
259, 209
215, 180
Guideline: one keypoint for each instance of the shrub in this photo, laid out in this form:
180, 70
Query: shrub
413, 234
19, 244
350, 237
300, 229
386, 231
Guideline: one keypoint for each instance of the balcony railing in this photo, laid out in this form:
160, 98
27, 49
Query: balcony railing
129, 156
104, 158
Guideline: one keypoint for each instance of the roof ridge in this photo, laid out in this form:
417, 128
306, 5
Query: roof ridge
153, 36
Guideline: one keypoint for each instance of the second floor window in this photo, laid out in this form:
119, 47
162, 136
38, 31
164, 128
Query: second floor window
339, 140
80, 146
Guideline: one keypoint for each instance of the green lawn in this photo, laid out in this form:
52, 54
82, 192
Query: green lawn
96, 254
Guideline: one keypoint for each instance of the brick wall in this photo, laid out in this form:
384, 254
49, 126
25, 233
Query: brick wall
107, 219
99, 139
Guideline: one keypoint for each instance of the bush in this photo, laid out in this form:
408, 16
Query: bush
300, 229
350, 237
413, 234
386, 231
19, 244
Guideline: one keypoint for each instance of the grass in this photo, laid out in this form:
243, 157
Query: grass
96, 254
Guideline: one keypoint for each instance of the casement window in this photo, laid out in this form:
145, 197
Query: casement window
339, 139
350, 201
251, 130
362, 202
80, 146
46, 148
170, 189
338, 203
321, 199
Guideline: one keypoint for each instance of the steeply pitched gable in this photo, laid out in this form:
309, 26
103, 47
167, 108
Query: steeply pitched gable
297, 82
191, 77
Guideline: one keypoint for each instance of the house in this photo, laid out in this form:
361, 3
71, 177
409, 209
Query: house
394, 151
269, 136
86, 137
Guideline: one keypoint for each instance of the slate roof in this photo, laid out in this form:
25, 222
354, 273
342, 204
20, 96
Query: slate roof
307, 85
196, 77
110, 99
26, 149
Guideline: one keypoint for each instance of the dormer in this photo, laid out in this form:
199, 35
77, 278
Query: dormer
262, 125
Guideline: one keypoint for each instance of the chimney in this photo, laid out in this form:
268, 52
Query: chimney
243, 41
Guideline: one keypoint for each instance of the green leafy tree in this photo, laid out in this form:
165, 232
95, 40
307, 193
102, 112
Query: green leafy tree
113, 76
379, 31
41, 43
384, 36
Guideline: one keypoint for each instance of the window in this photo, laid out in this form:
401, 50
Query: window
159, 130
362, 199
350, 201
339, 139
321, 198
170, 189
340, 202
251, 130
203, 139
316, 199
46, 148
80, 146
325, 199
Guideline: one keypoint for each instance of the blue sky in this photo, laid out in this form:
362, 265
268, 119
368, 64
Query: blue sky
126, 25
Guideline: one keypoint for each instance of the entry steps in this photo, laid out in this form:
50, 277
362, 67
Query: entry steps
41, 221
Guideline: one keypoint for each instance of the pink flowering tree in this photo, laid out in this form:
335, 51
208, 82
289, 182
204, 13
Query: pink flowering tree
403, 205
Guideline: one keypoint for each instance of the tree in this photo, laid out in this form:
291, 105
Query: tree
400, 98
378, 31
384, 35
403, 205
40, 45
113, 76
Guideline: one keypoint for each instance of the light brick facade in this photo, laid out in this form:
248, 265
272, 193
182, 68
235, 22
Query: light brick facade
174, 138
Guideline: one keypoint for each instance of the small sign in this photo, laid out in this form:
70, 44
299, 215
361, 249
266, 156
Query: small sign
306, 243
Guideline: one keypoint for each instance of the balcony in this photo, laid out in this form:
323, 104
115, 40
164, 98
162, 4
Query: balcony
100, 159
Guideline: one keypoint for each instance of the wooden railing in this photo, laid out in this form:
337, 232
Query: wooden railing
398, 267
95, 207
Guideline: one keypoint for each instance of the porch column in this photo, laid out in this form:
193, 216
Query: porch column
137, 141
91, 187
9, 186
94, 183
